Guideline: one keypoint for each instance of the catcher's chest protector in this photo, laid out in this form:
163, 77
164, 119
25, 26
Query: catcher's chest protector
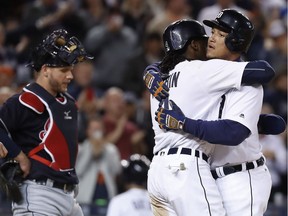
59, 137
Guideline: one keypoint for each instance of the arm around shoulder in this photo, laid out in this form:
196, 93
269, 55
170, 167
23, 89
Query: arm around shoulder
257, 72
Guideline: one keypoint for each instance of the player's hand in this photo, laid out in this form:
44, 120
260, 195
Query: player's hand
271, 124
154, 82
24, 163
170, 119
3, 150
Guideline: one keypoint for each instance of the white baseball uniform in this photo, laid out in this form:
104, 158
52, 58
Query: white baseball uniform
179, 178
134, 202
245, 192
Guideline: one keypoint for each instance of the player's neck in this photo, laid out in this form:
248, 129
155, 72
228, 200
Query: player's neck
233, 57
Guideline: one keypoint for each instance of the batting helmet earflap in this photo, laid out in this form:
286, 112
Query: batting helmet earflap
58, 49
178, 33
135, 169
239, 27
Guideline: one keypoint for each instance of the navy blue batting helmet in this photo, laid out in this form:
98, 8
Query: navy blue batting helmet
239, 27
179, 33
135, 169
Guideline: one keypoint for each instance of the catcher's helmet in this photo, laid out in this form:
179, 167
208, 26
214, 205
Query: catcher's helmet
58, 50
135, 169
179, 33
239, 27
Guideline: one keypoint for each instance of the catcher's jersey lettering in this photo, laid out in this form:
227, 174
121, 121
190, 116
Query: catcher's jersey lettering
172, 81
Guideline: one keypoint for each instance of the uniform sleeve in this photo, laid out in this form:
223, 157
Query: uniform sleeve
224, 132
10, 119
219, 75
244, 106
257, 72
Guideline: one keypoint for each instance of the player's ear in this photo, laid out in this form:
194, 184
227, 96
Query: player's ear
194, 45
44, 70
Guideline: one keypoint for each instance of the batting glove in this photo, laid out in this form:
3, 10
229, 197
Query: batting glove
154, 82
170, 119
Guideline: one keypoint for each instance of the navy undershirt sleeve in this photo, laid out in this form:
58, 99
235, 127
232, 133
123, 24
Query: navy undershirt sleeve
257, 72
11, 147
224, 132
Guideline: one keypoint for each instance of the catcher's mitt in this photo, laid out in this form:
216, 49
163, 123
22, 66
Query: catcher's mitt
10, 177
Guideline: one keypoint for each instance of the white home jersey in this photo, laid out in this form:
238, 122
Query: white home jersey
243, 106
204, 82
134, 202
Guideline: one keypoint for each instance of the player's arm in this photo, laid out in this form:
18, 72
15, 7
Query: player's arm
10, 119
10, 146
257, 72
225, 132
271, 124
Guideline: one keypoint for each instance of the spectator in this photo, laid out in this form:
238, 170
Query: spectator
143, 120
39, 17
119, 130
5, 93
277, 51
112, 44
136, 14
276, 95
274, 150
7, 54
151, 51
7, 75
81, 89
210, 12
157, 6
98, 164
92, 13
174, 10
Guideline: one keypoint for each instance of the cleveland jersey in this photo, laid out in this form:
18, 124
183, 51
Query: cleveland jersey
45, 129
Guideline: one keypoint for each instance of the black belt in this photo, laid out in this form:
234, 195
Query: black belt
186, 151
223, 171
48, 182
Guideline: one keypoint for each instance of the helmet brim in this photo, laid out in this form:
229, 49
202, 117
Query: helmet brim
216, 24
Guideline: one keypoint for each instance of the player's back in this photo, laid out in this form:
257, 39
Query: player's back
134, 202
195, 86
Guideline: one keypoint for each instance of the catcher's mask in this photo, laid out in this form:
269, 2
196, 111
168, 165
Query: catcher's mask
58, 50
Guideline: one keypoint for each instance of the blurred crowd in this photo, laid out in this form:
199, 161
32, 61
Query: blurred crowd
124, 36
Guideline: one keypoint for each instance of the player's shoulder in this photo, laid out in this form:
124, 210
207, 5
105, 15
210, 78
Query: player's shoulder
12, 105
122, 197
13, 100
256, 89
69, 96
32, 101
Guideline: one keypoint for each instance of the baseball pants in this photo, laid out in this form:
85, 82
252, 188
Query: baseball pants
45, 200
182, 185
246, 192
